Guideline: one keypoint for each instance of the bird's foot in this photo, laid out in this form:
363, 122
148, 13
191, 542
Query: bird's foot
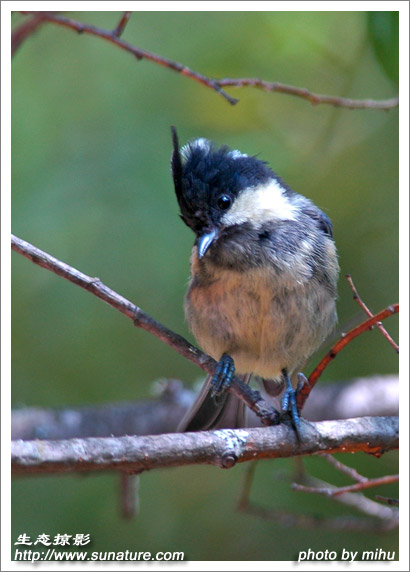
223, 375
289, 401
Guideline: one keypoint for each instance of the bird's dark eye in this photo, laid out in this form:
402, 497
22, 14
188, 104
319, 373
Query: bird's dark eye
224, 202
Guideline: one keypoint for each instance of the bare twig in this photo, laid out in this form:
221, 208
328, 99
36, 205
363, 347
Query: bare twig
22, 32
336, 491
223, 448
381, 519
341, 523
303, 394
218, 84
129, 501
352, 473
118, 31
313, 98
388, 500
139, 53
369, 313
141, 319
355, 500
243, 502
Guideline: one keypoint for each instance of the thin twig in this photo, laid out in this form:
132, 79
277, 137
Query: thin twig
118, 31
218, 84
22, 32
246, 487
141, 319
388, 517
303, 394
139, 53
352, 473
355, 500
359, 502
369, 313
388, 500
336, 491
313, 98
341, 523
129, 501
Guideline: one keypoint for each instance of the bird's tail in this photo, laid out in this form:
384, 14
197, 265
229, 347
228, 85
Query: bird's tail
220, 412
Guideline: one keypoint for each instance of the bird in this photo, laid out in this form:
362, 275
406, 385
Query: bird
262, 291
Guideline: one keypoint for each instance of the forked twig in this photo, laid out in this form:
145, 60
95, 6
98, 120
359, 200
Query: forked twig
304, 392
313, 98
352, 473
139, 53
388, 500
369, 313
336, 491
378, 518
215, 84
22, 32
118, 31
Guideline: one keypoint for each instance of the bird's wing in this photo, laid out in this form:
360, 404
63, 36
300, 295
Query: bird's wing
219, 412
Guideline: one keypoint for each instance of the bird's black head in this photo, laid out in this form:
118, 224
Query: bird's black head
208, 180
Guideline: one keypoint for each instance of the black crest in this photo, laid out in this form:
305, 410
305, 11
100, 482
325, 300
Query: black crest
176, 164
203, 173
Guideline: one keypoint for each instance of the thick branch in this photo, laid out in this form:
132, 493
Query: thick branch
223, 448
147, 417
378, 396
215, 84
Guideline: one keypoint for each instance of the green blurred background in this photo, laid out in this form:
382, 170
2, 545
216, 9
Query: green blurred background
91, 185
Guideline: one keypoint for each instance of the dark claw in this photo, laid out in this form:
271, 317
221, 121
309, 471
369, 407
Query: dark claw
223, 375
289, 404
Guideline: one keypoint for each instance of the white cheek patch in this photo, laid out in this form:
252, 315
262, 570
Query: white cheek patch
264, 203
200, 143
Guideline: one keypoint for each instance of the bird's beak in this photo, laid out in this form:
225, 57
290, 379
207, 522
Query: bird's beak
205, 241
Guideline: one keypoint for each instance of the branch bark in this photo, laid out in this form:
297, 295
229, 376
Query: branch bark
223, 448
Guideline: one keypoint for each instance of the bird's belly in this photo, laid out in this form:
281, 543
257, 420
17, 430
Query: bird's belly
262, 326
